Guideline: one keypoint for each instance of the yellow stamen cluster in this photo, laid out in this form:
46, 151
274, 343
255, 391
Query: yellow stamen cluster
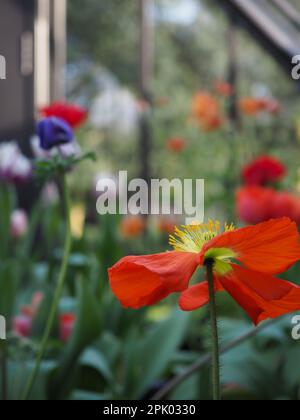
191, 238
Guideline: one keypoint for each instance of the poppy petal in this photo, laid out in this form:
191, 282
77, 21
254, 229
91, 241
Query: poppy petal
269, 247
197, 296
261, 295
144, 280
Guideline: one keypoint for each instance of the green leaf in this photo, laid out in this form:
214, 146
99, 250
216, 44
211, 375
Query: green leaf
17, 376
291, 372
156, 350
94, 359
86, 330
8, 287
80, 395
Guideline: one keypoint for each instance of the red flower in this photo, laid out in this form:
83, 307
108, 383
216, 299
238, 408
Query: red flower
263, 170
176, 144
263, 250
224, 88
270, 105
166, 225
296, 211
73, 114
283, 204
253, 204
66, 326
258, 204
212, 122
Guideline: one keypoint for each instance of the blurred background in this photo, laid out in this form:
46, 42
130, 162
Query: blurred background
169, 89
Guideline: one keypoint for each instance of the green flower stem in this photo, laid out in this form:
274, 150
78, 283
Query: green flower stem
57, 294
214, 333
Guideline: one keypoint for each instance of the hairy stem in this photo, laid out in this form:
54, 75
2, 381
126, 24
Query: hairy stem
214, 333
205, 359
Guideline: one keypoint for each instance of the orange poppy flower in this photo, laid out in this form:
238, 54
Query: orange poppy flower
204, 104
206, 110
253, 106
262, 251
166, 225
132, 226
250, 106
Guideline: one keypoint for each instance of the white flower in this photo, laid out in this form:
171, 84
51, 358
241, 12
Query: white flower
115, 109
14, 166
65, 150
69, 150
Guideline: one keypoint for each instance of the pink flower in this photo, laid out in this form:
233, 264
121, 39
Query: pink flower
18, 224
22, 325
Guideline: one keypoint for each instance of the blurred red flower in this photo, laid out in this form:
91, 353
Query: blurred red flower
263, 170
166, 225
66, 326
270, 105
263, 251
73, 114
176, 144
223, 88
253, 204
212, 122
256, 204
283, 204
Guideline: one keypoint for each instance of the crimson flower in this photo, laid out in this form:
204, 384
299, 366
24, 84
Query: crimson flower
263, 170
73, 114
261, 251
